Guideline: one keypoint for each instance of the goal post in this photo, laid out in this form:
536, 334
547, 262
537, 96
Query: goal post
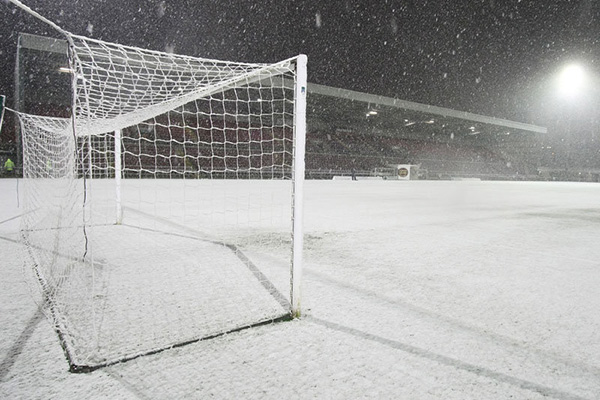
299, 151
168, 209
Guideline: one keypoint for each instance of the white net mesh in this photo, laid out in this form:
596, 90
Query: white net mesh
198, 157
119, 86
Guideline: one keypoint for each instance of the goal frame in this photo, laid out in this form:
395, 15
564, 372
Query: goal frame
297, 190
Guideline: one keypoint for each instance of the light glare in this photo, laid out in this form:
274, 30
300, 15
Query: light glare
571, 80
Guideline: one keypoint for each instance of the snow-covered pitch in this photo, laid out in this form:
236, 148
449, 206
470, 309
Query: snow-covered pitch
412, 290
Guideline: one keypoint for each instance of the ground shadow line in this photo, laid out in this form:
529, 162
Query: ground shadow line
465, 327
449, 361
17, 348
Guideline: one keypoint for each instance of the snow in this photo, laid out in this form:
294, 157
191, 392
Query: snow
416, 290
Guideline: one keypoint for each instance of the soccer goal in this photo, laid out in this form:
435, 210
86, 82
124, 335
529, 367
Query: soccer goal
168, 209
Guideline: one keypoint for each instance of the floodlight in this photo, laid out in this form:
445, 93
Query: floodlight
571, 80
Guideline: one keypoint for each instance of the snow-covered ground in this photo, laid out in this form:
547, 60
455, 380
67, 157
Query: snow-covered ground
412, 290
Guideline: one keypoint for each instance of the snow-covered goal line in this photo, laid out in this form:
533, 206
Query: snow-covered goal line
167, 210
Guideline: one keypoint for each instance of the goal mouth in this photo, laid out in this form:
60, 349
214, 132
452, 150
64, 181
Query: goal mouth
141, 305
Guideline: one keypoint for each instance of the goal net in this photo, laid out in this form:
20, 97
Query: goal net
167, 210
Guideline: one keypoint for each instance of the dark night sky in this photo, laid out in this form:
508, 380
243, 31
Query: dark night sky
493, 57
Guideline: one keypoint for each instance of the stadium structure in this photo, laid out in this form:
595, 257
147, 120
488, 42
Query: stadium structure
349, 132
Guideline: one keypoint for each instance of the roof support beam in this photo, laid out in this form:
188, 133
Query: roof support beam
424, 108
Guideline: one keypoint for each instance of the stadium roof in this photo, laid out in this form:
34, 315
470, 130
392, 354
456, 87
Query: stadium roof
336, 108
